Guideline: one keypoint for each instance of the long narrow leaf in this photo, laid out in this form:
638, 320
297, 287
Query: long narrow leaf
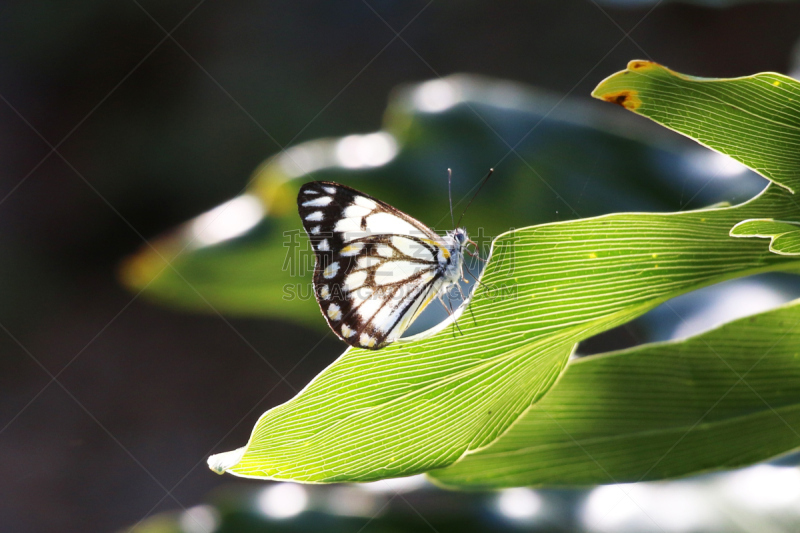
412, 407
726, 398
754, 119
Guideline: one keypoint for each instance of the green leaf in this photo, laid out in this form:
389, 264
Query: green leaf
723, 399
251, 256
417, 406
784, 236
753, 119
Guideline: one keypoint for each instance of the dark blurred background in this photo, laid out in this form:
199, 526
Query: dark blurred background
121, 119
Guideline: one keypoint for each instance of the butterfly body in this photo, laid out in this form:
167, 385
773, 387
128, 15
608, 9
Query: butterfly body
376, 268
454, 242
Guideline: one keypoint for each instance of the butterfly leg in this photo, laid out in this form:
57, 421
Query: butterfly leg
464, 300
449, 312
450, 303
479, 282
475, 254
449, 308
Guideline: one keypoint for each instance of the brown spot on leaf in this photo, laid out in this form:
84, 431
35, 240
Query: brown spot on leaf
638, 65
627, 99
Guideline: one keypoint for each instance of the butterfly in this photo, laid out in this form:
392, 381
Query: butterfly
376, 268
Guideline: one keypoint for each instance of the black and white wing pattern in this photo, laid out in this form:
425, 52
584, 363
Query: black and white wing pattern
376, 267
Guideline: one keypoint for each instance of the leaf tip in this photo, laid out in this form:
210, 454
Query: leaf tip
222, 462
640, 64
629, 99
141, 269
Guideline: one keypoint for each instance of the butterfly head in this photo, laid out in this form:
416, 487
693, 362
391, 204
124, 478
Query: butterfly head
460, 242
459, 235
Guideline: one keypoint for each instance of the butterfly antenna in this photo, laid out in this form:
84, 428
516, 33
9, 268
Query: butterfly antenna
450, 194
491, 171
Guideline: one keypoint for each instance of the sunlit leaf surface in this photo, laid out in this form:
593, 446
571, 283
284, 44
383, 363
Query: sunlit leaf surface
754, 119
723, 399
415, 406
784, 236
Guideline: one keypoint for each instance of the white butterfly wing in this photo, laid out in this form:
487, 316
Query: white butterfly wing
376, 267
